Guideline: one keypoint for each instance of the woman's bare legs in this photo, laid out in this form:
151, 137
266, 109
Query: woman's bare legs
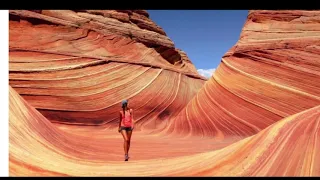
126, 141
129, 133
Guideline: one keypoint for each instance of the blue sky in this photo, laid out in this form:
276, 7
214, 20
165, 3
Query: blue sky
205, 35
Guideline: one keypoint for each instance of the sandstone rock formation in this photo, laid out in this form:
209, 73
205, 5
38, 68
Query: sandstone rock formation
272, 72
258, 115
289, 147
76, 67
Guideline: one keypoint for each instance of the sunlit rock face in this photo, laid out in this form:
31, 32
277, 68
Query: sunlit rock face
290, 147
258, 115
272, 72
77, 66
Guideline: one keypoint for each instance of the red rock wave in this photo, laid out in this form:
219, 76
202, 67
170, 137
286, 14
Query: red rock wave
289, 147
271, 73
257, 116
76, 67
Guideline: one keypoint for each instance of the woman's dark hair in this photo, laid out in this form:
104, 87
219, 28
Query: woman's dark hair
124, 105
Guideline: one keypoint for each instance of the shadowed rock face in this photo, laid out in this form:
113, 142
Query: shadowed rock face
272, 72
77, 66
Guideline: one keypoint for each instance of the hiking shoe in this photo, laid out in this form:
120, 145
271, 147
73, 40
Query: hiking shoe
126, 157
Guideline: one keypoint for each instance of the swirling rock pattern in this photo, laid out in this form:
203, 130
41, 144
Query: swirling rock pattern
290, 147
271, 73
258, 115
76, 67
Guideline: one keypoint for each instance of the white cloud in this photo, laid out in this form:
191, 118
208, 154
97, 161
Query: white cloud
206, 72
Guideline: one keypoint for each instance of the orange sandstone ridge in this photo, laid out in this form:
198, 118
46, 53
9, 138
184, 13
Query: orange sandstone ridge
76, 67
272, 72
258, 115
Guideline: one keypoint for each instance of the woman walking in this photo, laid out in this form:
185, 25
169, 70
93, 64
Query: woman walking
126, 126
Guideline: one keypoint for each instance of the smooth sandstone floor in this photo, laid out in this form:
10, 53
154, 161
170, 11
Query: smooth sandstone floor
147, 145
289, 147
